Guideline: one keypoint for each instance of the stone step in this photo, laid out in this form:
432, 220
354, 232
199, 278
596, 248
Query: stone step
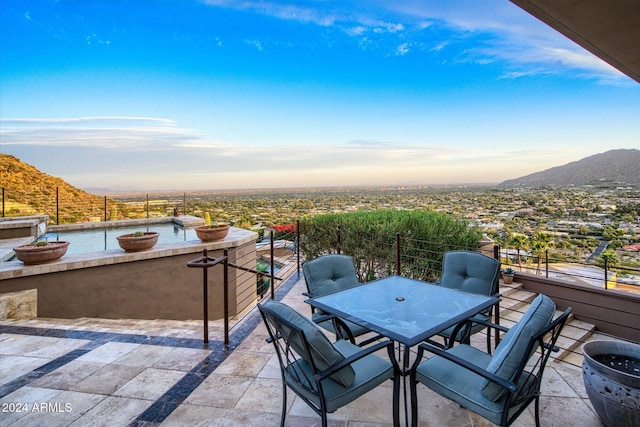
571, 338
509, 289
514, 301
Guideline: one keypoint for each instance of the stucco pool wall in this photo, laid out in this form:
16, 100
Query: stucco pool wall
154, 284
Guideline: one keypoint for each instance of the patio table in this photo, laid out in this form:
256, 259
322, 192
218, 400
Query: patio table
407, 311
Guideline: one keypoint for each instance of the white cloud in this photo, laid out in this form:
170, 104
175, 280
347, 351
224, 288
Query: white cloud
403, 49
500, 31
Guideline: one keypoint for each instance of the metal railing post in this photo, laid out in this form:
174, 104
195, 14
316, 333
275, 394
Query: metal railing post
2, 202
205, 262
298, 246
606, 275
226, 299
147, 207
546, 263
398, 269
339, 240
184, 203
57, 206
272, 264
105, 208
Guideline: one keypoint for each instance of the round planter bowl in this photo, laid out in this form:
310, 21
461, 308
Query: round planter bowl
208, 234
131, 243
611, 375
32, 254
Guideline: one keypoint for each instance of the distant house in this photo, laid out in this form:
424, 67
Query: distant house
632, 248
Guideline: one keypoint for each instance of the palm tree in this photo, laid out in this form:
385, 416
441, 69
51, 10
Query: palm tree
519, 242
541, 243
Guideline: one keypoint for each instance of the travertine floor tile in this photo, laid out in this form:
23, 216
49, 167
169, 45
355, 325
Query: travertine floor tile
61, 410
108, 380
67, 376
194, 416
108, 353
243, 363
143, 355
150, 384
181, 359
112, 411
12, 367
20, 402
220, 391
263, 395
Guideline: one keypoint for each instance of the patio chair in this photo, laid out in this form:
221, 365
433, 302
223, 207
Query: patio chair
499, 387
325, 375
327, 274
470, 272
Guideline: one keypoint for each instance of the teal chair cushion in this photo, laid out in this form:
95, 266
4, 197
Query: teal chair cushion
511, 350
323, 353
462, 385
369, 372
470, 272
329, 273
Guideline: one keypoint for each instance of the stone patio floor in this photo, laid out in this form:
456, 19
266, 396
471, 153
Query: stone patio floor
99, 372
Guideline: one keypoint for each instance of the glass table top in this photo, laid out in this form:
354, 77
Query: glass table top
405, 310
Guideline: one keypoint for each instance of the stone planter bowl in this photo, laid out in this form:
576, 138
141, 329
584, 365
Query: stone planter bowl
208, 234
131, 243
611, 375
31, 254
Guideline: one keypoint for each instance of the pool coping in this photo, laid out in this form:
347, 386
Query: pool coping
14, 269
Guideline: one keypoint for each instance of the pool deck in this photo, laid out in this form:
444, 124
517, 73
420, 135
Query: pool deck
101, 372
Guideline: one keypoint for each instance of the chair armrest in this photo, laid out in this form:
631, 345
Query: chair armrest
357, 356
307, 294
489, 324
512, 387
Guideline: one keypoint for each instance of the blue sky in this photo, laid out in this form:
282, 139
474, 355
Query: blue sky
186, 95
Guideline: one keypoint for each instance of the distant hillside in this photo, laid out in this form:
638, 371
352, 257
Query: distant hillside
614, 166
28, 191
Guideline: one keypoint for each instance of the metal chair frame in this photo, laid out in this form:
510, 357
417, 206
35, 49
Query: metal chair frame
516, 394
303, 382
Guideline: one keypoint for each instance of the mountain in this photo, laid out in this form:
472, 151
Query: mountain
27, 191
614, 166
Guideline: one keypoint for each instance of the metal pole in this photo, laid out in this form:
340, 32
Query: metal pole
205, 306
105, 208
298, 246
339, 239
184, 203
226, 299
546, 263
147, 206
606, 275
398, 254
57, 206
2, 202
272, 253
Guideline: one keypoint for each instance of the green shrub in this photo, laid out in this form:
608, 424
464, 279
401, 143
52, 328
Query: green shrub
370, 238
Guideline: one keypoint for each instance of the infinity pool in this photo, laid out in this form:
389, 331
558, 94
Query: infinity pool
102, 239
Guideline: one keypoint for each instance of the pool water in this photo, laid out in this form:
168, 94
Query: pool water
96, 240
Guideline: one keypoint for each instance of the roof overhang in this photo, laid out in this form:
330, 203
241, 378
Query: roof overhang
610, 29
